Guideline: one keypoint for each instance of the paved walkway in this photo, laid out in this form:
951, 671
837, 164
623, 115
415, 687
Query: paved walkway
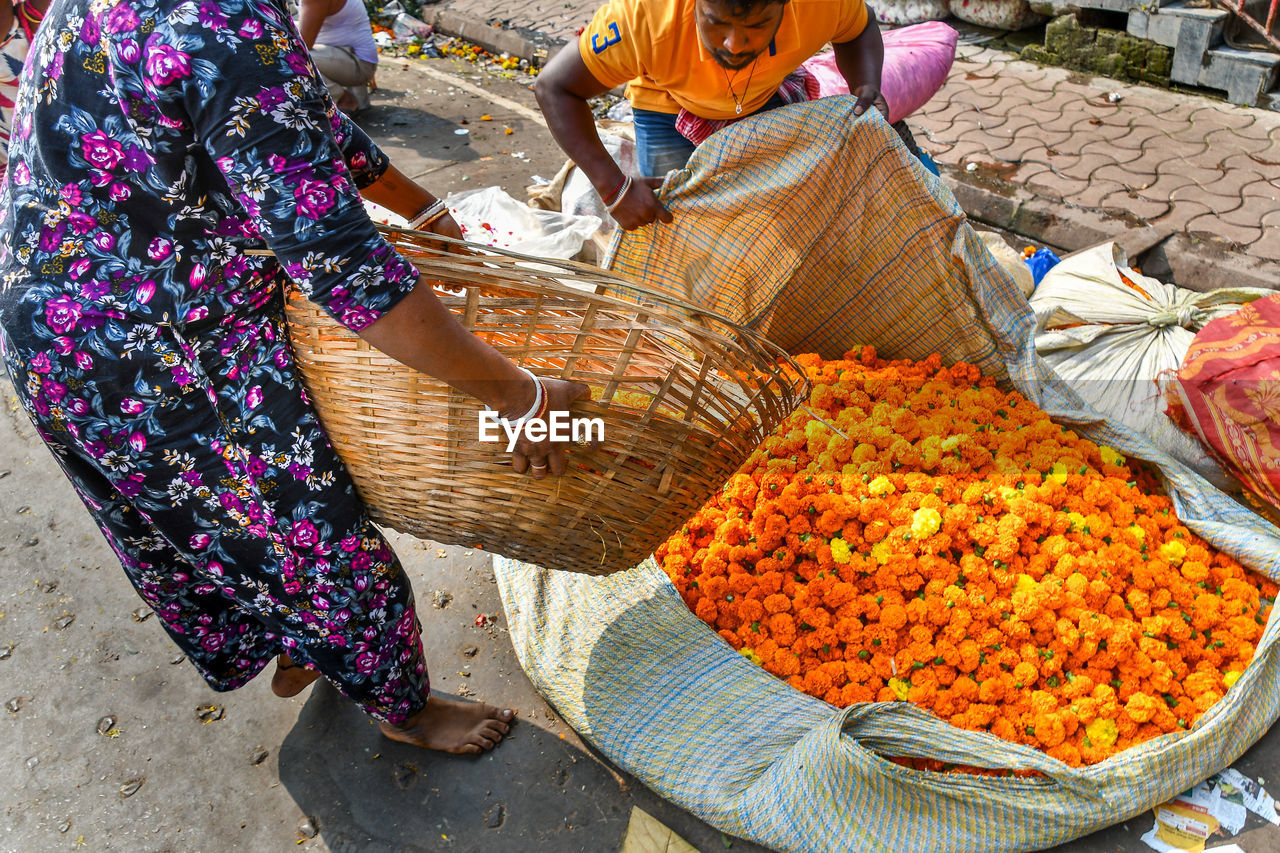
1045, 153
1181, 163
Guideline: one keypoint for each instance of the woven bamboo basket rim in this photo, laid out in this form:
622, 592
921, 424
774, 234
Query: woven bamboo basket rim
708, 389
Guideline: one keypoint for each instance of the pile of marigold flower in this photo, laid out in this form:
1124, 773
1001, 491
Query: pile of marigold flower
933, 539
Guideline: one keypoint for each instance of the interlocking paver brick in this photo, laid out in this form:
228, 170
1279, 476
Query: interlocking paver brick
1229, 143
1221, 116
1268, 188
965, 150
1130, 158
1123, 176
1203, 176
1217, 204
1251, 211
1021, 147
1209, 224
1181, 213
1095, 192
1086, 165
1268, 245
1163, 186
1026, 171
1056, 185
1235, 178
1136, 137
1127, 202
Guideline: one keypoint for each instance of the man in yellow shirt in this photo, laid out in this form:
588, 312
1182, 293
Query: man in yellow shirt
711, 59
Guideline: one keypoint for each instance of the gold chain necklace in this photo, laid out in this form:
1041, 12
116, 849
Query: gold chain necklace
737, 102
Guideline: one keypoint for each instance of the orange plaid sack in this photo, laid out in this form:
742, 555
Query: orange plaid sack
1228, 393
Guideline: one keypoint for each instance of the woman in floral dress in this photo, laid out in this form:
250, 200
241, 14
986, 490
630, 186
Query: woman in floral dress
154, 143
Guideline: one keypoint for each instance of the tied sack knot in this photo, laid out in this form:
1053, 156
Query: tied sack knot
1182, 316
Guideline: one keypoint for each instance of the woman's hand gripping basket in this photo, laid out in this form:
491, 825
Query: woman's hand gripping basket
683, 397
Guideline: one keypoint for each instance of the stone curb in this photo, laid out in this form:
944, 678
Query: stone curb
528, 45
1196, 264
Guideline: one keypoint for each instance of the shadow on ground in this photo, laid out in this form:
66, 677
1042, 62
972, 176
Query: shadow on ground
367, 793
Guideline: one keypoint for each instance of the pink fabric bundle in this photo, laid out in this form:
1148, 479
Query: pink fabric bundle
917, 60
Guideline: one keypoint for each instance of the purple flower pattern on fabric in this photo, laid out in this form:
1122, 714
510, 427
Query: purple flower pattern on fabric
147, 343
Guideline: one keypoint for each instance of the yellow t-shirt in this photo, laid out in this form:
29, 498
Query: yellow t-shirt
653, 46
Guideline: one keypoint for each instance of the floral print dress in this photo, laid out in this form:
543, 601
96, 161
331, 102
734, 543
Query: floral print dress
154, 143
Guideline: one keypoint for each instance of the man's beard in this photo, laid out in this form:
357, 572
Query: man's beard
731, 62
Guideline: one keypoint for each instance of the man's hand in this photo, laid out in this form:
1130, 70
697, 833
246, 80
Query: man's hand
870, 96
640, 206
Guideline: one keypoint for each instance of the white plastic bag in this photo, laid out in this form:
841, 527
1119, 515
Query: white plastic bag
492, 217
1111, 340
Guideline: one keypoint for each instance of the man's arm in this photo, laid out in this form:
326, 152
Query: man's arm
860, 62
563, 88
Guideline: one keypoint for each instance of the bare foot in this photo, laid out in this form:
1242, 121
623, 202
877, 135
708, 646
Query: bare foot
290, 679
463, 728
347, 103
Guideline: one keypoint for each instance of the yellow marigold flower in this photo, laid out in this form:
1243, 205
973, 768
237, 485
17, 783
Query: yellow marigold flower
924, 523
1231, 677
1173, 552
881, 551
952, 442
1102, 732
1077, 521
880, 486
1057, 474
1009, 493
1110, 455
1025, 583
900, 688
840, 551
1138, 532
815, 429
751, 655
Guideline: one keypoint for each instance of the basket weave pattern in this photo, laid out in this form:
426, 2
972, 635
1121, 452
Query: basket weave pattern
684, 397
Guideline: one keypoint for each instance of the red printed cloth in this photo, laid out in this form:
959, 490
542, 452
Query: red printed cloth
797, 87
1228, 392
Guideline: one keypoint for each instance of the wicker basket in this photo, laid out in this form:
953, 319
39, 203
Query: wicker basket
684, 397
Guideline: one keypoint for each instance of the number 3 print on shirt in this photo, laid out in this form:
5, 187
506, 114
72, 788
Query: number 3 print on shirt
613, 38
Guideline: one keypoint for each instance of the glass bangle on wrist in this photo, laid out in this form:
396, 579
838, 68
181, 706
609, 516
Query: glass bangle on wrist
429, 214
622, 193
539, 400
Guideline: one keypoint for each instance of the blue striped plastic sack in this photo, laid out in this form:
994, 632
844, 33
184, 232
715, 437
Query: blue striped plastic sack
663, 696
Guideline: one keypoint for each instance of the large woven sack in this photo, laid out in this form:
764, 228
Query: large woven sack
660, 694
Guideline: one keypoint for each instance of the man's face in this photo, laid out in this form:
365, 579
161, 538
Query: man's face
736, 40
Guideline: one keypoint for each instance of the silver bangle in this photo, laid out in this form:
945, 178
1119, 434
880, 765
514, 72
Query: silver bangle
423, 217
